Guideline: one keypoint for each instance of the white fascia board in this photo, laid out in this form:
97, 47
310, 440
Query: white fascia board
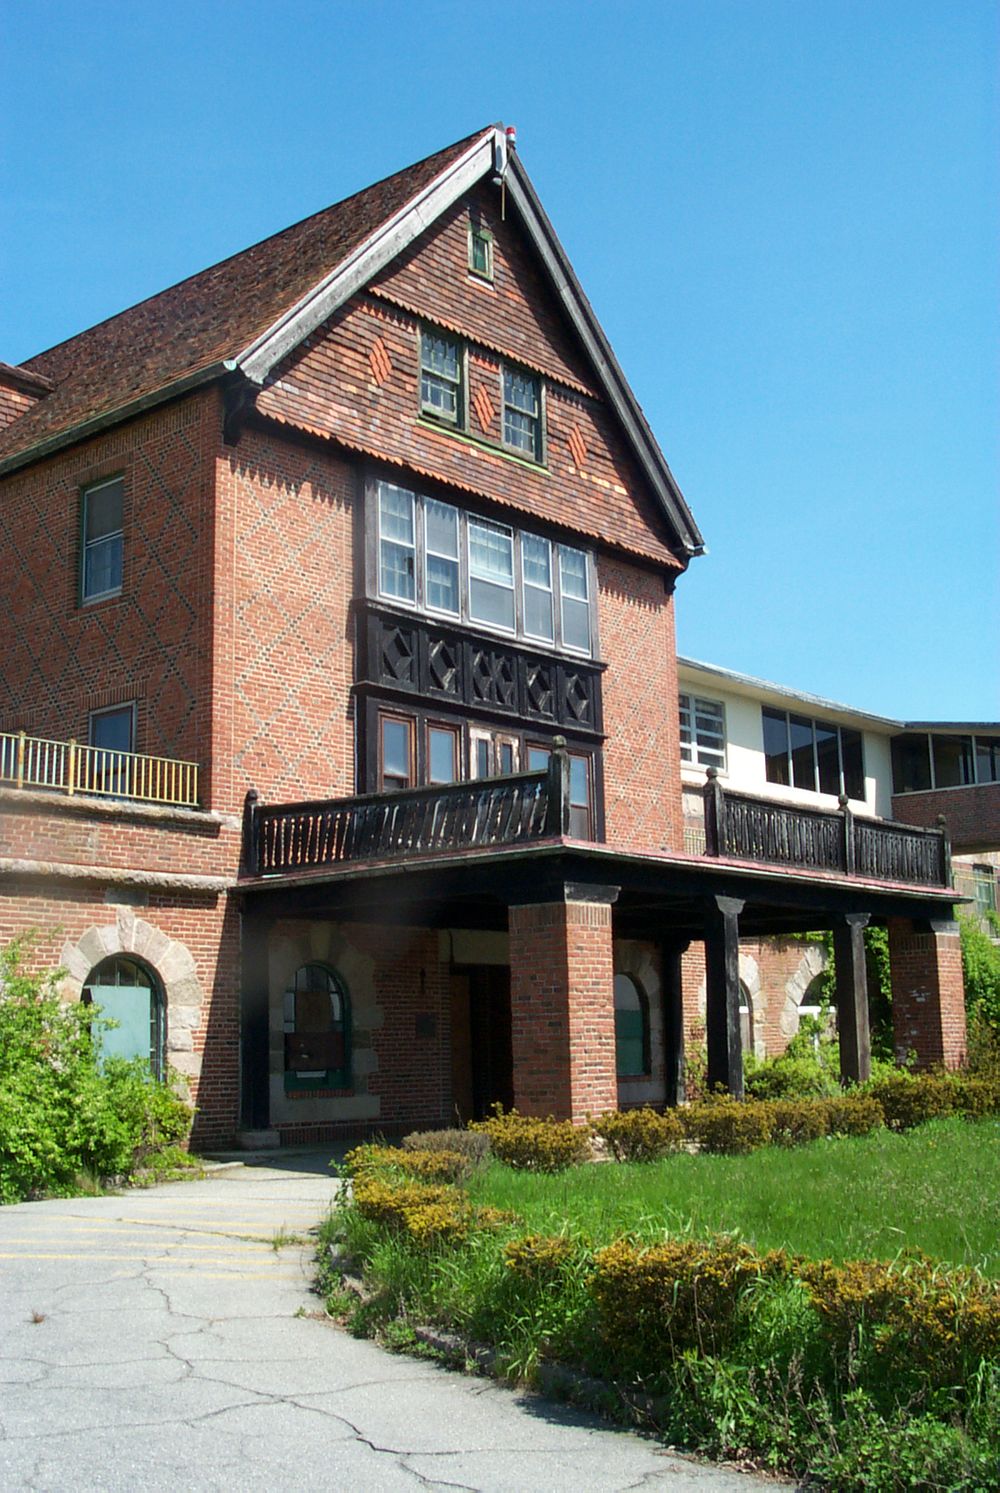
715, 676
382, 246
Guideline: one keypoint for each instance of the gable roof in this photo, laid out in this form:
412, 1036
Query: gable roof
246, 313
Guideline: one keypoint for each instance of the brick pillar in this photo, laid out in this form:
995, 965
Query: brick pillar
562, 1005
928, 992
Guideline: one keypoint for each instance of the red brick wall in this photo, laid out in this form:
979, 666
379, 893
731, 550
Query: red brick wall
642, 752
283, 718
150, 644
972, 815
562, 1009
413, 1046
13, 402
55, 913
928, 994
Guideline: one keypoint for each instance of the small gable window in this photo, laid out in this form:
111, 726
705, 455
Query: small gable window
480, 251
441, 377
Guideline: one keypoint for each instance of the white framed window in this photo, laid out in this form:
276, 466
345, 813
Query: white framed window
703, 732
397, 543
441, 376
536, 578
440, 559
441, 578
574, 589
103, 539
491, 574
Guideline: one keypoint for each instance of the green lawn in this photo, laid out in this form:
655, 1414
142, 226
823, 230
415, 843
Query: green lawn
936, 1188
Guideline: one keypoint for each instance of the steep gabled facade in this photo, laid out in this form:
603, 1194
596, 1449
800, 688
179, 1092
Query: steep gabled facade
340, 730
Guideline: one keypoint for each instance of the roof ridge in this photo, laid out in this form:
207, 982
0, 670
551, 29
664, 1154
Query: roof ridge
290, 228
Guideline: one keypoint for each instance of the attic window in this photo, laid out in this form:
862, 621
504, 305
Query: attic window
480, 251
441, 377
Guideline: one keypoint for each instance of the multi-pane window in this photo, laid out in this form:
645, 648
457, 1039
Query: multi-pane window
440, 559
923, 760
397, 542
441, 377
815, 755
703, 732
441, 556
102, 539
491, 574
445, 388
316, 1021
522, 413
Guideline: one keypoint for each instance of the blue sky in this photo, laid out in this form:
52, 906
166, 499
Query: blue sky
783, 211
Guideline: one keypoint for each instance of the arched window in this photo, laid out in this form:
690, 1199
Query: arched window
746, 1019
631, 1028
317, 1030
129, 994
811, 1005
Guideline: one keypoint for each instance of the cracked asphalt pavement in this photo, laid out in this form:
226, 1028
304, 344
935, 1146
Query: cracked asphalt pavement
157, 1340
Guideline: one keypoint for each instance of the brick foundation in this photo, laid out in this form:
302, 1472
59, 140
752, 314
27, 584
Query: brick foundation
928, 995
562, 1009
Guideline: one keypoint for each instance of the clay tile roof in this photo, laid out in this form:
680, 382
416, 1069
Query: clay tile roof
214, 315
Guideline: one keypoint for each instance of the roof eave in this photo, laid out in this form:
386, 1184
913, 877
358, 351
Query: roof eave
86, 428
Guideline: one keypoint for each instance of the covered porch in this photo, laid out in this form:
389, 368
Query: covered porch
484, 882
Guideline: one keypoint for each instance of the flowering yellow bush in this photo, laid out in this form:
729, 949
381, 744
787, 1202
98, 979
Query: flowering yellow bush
538, 1257
639, 1134
534, 1145
730, 1125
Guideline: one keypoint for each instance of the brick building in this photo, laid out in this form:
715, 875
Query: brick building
340, 756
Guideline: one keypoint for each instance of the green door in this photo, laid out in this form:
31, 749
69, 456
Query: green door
131, 1007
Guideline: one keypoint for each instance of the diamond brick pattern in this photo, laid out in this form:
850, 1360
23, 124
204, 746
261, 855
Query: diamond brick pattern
379, 362
577, 447
483, 406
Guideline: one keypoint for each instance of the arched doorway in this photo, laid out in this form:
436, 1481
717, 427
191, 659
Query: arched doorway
129, 994
317, 1030
746, 1018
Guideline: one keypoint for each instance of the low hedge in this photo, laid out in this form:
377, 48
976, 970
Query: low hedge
528, 1143
639, 1134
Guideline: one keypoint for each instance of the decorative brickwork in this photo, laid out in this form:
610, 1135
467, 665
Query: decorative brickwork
928, 994
562, 1009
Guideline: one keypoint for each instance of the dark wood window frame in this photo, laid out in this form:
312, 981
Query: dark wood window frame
800, 757
461, 424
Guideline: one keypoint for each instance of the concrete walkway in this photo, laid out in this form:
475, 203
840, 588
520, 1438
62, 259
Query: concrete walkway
157, 1340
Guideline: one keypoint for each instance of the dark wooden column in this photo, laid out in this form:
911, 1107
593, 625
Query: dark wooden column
852, 997
255, 1078
672, 997
722, 994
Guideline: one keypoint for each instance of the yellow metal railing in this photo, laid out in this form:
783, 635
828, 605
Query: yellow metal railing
69, 767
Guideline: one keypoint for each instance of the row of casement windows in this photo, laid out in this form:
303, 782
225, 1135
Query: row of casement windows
440, 559
798, 751
444, 394
412, 752
924, 760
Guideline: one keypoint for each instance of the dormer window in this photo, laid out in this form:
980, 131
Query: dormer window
441, 377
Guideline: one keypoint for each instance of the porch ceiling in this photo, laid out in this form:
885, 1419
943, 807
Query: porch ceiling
659, 896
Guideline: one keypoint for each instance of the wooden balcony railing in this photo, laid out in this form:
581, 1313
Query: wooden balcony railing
282, 838
777, 834
68, 767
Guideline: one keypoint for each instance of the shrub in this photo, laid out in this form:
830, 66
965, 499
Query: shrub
728, 1125
795, 1121
913, 1316
534, 1145
471, 1143
539, 1258
981, 971
62, 1112
908, 1099
427, 1213
853, 1113
654, 1304
639, 1134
